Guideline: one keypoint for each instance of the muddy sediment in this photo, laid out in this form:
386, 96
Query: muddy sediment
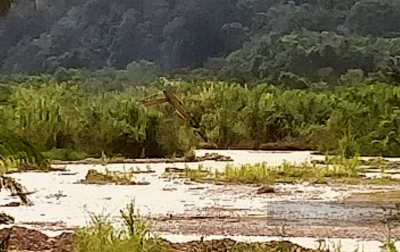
24, 239
355, 219
236, 227
33, 169
231, 245
276, 146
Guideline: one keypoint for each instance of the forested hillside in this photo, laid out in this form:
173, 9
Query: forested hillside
294, 43
72, 73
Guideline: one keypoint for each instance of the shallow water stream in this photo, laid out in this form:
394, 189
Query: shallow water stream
61, 204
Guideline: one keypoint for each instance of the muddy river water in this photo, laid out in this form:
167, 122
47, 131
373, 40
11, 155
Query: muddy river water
183, 212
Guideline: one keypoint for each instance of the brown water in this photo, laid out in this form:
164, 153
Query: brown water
63, 204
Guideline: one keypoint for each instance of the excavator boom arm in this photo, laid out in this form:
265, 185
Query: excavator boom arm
154, 102
178, 107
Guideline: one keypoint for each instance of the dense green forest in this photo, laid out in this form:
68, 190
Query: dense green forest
314, 74
233, 40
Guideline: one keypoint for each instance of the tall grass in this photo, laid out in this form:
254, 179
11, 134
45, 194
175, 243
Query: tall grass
135, 235
335, 170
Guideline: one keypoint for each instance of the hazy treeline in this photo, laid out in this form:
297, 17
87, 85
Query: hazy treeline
290, 42
347, 120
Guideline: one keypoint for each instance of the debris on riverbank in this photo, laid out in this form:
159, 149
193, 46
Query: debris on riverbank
207, 157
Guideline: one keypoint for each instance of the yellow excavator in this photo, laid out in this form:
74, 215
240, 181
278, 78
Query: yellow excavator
179, 108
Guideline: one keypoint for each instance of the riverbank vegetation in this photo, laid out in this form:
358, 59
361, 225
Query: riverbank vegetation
344, 120
135, 234
260, 174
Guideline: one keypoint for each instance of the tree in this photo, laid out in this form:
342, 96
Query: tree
16, 151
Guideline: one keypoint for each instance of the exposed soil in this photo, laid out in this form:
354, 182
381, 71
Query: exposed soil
277, 146
233, 226
32, 169
356, 218
393, 196
24, 239
232, 245
206, 157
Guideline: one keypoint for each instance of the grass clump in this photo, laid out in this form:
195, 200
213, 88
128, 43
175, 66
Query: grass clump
345, 171
197, 174
190, 155
261, 173
111, 177
105, 159
134, 235
108, 177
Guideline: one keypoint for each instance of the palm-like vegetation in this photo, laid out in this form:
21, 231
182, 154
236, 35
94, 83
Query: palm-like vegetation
16, 152
346, 120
